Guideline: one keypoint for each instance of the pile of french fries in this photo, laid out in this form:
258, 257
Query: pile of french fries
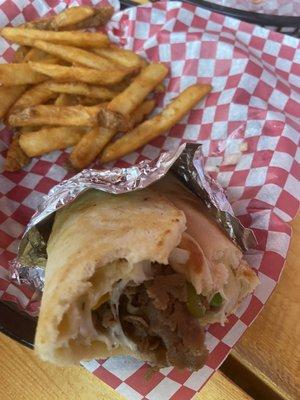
69, 87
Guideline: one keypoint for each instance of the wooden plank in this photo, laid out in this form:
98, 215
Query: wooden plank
23, 376
219, 387
270, 348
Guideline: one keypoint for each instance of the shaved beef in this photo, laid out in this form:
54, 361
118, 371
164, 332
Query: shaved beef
161, 323
166, 283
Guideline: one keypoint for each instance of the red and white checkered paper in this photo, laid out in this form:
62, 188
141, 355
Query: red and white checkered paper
255, 102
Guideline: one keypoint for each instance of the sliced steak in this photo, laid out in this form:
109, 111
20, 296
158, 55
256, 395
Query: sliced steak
154, 315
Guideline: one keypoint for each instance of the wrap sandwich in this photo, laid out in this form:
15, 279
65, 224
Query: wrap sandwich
137, 274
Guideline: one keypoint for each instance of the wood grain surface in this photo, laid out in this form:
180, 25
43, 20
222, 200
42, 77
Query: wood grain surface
24, 377
271, 346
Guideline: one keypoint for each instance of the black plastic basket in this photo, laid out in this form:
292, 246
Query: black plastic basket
280, 23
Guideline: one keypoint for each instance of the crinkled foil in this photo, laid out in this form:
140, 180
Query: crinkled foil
186, 164
188, 168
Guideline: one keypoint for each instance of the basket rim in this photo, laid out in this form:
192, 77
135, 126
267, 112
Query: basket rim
251, 16
261, 19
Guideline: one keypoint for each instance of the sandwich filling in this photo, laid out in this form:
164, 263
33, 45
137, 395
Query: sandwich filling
160, 317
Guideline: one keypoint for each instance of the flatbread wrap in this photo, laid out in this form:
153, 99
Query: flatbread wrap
137, 274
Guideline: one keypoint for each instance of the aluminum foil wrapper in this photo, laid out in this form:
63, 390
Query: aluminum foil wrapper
185, 162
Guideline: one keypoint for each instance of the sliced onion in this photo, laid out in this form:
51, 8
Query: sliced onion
179, 256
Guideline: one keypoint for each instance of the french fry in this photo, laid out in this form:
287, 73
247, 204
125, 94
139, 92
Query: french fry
145, 62
116, 121
26, 37
35, 55
20, 54
79, 74
34, 96
15, 157
79, 56
116, 115
157, 125
56, 115
160, 88
83, 89
122, 57
87, 101
9, 95
139, 114
41, 56
26, 129
45, 140
112, 120
19, 74
100, 18
120, 86
128, 100
65, 99
53, 60
94, 141
73, 18
90, 146
68, 17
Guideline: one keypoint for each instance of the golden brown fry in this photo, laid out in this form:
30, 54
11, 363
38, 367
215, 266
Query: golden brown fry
87, 101
9, 95
35, 95
56, 115
100, 18
111, 120
26, 129
94, 141
41, 56
45, 140
116, 121
73, 18
128, 100
19, 74
122, 57
120, 86
145, 62
83, 89
117, 113
139, 114
79, 56
90, 146
160, 88
35, 55
81, 74
52, 60
15, 157
26, 37
67, 100
55, 22
20, 54
157, 125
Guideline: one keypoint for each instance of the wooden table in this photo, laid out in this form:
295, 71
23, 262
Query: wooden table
264, 364
24, 377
